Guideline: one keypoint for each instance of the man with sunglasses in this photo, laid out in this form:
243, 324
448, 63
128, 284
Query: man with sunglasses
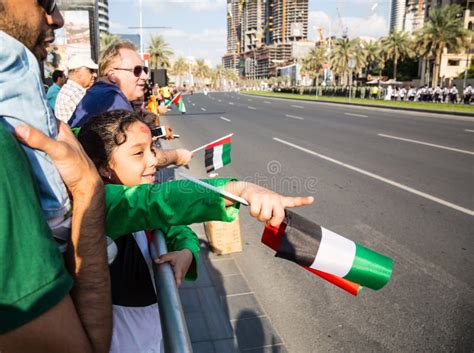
122, 81
37, 313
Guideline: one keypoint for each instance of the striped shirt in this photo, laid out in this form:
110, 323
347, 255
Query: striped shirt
68, 99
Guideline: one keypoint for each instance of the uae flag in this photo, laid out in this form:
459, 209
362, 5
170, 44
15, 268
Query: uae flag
178, 101
337, 259
217, 154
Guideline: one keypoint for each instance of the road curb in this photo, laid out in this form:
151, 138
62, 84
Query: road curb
440, 112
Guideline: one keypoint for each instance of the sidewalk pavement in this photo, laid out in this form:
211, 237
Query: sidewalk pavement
222, 313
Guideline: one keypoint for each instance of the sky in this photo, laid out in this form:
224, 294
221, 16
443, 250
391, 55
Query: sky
198, 27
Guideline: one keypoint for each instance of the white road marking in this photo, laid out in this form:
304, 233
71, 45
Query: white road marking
380, 178
357, 115
297, 106
294, 117
231, 103
203, 109
468, 130
219, 100
249, 100
194, 104
427, 144
267, 102
224, 118
253, 108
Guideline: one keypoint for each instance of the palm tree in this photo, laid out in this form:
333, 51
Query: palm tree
344, 50
424, 52
397, 46
201, 70
160, 52
444, 29
106, 39
373, 54
217, 75
180, 67
313, 63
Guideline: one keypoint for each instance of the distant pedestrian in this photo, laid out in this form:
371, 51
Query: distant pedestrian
467, 94
411, 94
402, 93
453, 94
445, 94
59, 79
438, 94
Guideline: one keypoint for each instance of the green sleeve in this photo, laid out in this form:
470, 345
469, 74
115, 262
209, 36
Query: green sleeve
157, 206
182, 237
33, 278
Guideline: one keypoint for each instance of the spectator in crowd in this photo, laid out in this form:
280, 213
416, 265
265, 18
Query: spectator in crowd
35, 305
412, 94
453, 94
467, 94
375, 92
59, 79
403, 93
438, 94
82, 72
122, 81
445, 94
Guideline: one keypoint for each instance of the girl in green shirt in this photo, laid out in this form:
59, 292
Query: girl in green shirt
120, 145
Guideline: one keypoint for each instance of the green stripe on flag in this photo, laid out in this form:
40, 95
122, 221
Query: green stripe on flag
226, 153
370, 269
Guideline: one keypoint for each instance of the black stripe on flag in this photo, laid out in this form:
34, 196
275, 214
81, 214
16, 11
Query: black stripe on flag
208, 159
301, 240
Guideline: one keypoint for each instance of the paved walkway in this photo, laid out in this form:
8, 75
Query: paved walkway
222, 312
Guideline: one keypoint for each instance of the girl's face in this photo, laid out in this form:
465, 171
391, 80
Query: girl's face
134, 162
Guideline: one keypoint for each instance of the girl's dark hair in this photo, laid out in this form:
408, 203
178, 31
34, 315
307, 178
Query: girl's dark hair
103, 133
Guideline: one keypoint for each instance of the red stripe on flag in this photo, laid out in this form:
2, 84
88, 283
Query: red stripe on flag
176, 98
342, 283
220, 142
272, 236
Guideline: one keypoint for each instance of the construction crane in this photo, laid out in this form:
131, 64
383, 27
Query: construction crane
322, 40
345, 30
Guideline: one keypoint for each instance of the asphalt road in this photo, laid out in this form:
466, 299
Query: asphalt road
400, 183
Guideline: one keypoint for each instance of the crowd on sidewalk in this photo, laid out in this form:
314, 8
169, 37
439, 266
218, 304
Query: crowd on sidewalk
438, 94
79, 197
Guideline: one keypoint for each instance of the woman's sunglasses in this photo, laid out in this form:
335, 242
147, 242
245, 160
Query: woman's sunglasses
137, 70
48, 5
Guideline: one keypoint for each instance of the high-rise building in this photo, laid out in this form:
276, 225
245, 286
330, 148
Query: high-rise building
397, 15
290, 20
414, 15
103, 10
261, 33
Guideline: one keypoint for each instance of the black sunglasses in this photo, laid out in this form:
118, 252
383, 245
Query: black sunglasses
48, 5
137, 70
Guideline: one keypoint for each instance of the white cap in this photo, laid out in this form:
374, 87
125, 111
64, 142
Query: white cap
78, 61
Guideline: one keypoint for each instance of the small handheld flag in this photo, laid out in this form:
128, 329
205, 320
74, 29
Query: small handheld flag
217, 153
224, 193
319, 249
178, 101
175, 100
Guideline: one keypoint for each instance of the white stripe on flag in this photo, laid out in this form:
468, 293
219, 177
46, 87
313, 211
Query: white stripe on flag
217, 157
335, 255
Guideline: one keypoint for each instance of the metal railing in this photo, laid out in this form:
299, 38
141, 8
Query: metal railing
173, 324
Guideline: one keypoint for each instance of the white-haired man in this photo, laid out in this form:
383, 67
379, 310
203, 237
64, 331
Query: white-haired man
82, 72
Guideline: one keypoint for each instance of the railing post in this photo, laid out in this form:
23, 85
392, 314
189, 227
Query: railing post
173, 325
